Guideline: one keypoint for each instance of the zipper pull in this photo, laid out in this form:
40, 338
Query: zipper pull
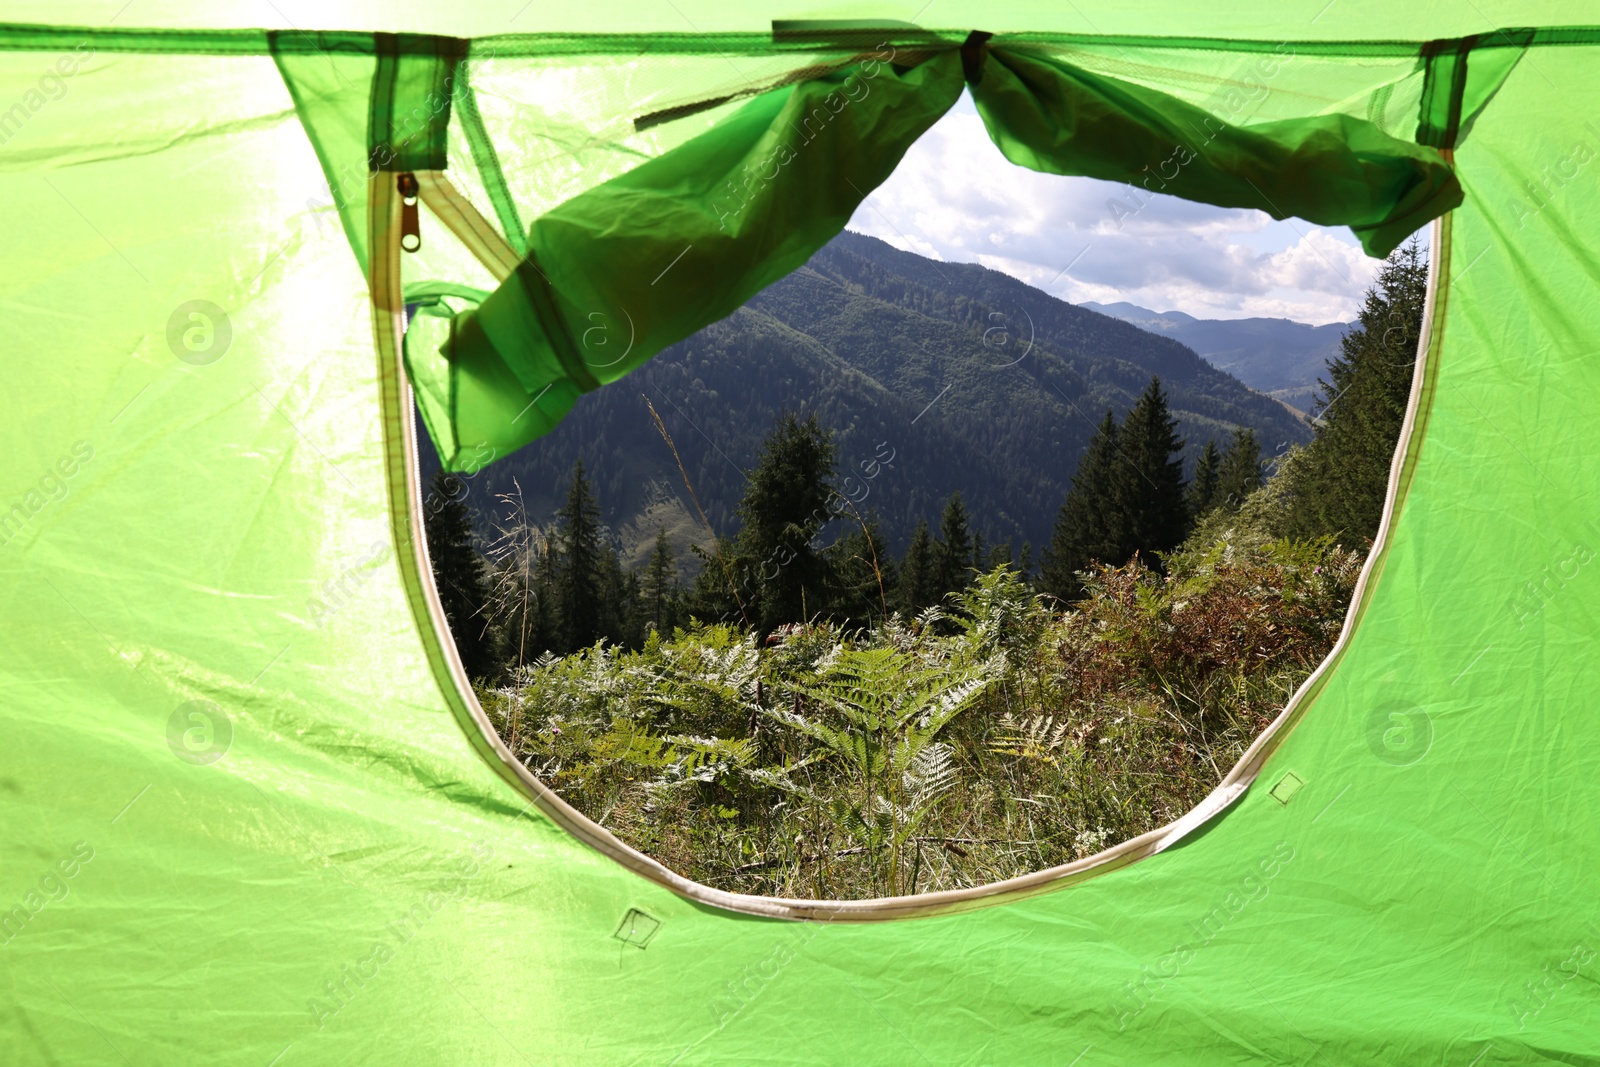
410, 227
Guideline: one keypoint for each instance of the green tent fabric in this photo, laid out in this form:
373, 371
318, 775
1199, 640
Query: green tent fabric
252, 813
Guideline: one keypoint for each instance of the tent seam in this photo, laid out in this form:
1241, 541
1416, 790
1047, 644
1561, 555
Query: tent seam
27, 37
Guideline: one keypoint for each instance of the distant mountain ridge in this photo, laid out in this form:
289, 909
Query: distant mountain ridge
1279, 357
932, 376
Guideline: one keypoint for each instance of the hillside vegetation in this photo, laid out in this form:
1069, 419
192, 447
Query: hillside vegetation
973, 743
819, 714
970, 379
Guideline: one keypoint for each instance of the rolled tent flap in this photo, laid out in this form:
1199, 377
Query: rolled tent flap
626, 268
1334, 170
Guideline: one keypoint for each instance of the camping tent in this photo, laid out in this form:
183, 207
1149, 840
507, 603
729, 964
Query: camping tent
252, 812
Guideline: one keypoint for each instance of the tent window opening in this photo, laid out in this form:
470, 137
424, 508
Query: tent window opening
984, 541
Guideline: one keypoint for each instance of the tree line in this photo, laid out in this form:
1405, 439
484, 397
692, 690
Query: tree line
804, 552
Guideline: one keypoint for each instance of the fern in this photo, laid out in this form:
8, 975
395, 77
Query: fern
974, 742
878, 714
1036, 737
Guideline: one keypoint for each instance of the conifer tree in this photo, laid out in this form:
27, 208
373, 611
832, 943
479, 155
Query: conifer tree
1339, 486
459, 574
1149, 477
1090, 525
620, 621
786, 502
546, 578
659, 593
1240, 474
855, 562
999, 555
953, 552
1203, 486
917, 587
525, 597
522, 597
580, 575
711, 596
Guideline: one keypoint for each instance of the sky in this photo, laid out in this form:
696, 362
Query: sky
955, 198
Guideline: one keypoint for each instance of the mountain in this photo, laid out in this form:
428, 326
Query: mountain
933, 376
1279, 357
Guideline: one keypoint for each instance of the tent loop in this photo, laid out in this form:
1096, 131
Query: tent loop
974, 52
409, 115
1455, 90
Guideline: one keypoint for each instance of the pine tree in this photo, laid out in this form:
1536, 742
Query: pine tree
1240, 474
459, 575
1203, 486
525, 595
918, 583
855, 562
522, 599
1149, 477
1340, 484
1090, 525
620, 621
1000, 555
953, 552
580, 576
546, 614
710, 598
659, 593
786, 503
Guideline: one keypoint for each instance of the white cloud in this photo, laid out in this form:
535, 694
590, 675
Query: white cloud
1320, 262
954, 197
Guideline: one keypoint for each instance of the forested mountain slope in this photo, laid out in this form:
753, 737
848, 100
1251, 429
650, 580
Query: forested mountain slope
935, 377
1280, 357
